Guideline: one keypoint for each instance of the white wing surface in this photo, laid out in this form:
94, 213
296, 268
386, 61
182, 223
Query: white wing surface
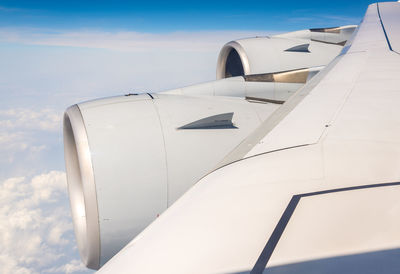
315, 189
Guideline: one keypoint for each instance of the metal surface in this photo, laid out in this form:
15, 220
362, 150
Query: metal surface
328, 30
333, 36
81, 187
389, 16
299, 48
260, 86
263, 100
291, 76
223, 56
219, 121
269, 124
342, 43
136, 158
262, 55
273, 240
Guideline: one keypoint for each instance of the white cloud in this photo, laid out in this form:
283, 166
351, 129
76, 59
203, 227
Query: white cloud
23, 118
9, 138
24, 133
125, 40
71, 267
47, 187
10, 265
55, 236
35, 228
12, 143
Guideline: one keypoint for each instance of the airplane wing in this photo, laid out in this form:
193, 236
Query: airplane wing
315, 189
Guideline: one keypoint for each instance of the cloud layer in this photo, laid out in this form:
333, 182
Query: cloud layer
35, 225
25, 134
16, 118
200, 41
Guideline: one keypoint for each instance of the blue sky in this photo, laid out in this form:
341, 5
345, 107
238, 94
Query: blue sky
162, 16
57, 53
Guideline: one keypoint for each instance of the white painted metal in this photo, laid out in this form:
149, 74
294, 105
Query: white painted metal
267, 54
234, 86
136, 161
390, 16
238, 87
369, 62
343, 132
122, 179
341, 226
81, 187
343, 34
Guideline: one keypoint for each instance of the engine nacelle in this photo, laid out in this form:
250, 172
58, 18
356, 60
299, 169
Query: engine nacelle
289, 51
128, 158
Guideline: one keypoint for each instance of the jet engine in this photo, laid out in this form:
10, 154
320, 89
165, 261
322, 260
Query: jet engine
129, 157
289, 51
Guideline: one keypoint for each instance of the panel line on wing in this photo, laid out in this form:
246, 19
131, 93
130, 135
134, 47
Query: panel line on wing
383, 27
384, 30
273, 240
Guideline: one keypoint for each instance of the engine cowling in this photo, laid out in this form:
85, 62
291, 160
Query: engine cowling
129, 157
288, 51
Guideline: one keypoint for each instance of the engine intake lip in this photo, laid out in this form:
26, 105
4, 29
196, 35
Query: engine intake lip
223, 56
81, 187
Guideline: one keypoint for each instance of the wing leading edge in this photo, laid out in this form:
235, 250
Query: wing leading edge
314, 186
